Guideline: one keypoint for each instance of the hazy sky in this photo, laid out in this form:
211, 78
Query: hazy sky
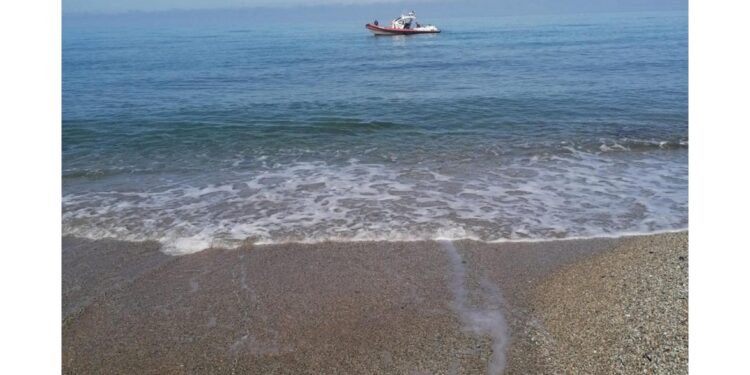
491, 6
152, 5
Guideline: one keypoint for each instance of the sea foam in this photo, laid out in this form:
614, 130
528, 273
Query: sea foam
576, 195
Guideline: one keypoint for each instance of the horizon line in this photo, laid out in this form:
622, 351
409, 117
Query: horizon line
304, 7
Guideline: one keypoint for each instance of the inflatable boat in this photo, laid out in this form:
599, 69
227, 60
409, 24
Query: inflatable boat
406, 24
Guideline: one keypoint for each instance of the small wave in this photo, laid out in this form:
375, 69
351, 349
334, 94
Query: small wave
84, 173
654, 143
630, 144
92, 173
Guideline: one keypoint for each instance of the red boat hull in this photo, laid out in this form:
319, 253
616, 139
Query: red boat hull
379, 30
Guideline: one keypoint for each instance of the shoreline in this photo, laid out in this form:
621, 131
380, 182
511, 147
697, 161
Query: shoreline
350, 307
247, 243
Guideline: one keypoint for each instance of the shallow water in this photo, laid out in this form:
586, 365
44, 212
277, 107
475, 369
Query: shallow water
497, 128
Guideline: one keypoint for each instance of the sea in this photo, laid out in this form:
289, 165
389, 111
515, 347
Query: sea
516, 128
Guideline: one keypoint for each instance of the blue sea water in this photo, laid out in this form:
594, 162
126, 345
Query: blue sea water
503, 128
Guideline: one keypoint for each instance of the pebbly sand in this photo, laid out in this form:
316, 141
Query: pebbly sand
574, 306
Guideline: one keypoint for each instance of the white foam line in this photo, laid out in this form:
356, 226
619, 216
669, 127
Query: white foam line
592, 237
486, 322
499, 240
169, 247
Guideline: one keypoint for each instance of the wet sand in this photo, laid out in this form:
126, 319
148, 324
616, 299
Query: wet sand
374, 307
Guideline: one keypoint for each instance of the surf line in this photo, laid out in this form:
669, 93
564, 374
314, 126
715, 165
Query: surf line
488, 321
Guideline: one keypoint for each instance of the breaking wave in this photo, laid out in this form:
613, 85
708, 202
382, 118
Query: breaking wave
547, 196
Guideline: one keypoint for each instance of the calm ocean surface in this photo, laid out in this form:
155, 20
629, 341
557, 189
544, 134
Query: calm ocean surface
497, 128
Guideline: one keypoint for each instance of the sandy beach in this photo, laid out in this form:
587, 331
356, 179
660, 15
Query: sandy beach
608, 305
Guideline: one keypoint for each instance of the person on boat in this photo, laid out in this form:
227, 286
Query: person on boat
375, 23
